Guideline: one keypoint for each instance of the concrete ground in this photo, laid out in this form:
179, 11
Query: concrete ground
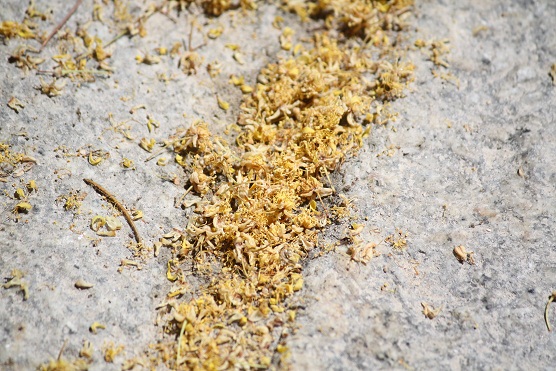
470, 161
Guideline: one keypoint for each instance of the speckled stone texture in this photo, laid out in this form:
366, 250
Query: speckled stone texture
452, 180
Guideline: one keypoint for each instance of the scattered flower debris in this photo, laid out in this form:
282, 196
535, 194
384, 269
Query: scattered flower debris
16, 280
429, 311
462, 255
262, 201
16, 104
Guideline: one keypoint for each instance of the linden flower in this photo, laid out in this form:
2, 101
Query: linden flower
257, 212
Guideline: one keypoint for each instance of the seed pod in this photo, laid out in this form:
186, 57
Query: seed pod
82, 284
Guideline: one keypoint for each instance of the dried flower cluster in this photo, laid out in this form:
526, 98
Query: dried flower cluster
27, 29
79, 55
9, 160
261, 202
261, 205
367, 19
213, 7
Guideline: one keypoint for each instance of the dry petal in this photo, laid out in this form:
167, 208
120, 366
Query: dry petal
16, 104
113, 223
23, 207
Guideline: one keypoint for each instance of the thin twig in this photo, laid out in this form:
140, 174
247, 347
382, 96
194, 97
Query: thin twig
164, 148
61, 24
97, 187
72, 72
62, 349
179, 341
90, 72
551, 298
119, 36
159, 152
177, 204
127, 31
190, 48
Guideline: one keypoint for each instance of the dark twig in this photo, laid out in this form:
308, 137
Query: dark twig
110, 197
61, 24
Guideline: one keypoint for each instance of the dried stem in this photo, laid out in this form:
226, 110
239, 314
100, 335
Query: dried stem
97, 187
61, 24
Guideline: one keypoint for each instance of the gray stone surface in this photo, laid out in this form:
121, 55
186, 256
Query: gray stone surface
42, 245
451, 181
492, 312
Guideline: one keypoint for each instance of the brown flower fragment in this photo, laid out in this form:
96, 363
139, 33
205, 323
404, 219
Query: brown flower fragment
462, 255
429, 311
15, 104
